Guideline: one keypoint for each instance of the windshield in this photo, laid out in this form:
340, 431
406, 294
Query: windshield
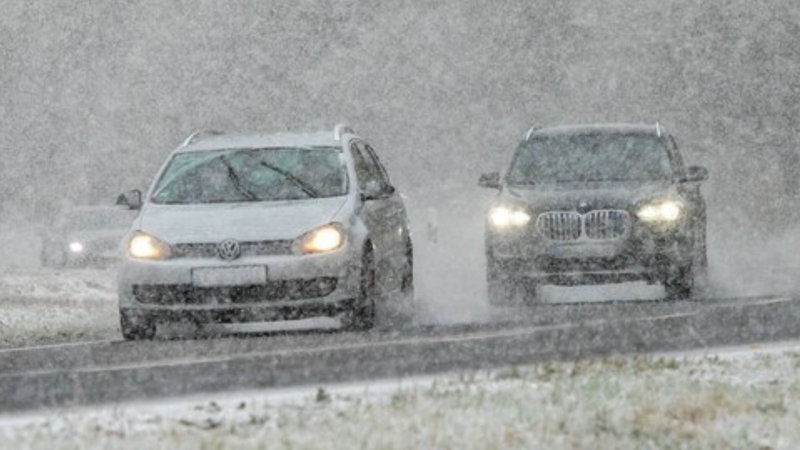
590, 157
246, 175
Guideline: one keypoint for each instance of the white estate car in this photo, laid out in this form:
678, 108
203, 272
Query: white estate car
252, 228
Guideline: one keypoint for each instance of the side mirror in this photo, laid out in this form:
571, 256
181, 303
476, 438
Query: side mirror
695, 174
131, 199
490, 180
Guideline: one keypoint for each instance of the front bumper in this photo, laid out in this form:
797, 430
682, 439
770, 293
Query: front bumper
296, 287
650, 253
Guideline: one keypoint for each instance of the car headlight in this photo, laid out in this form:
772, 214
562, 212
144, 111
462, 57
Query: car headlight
326, 238
504, 217
144, 246
663, 211
75, 247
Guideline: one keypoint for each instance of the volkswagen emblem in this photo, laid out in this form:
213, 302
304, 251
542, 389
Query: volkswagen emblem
229, 249
583, 207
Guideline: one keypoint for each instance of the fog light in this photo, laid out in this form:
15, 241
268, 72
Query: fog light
75, 247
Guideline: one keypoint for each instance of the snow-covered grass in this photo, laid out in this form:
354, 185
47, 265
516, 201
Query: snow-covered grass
48, 306
738, 401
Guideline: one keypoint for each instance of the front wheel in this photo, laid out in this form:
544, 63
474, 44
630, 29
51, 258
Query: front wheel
407, 281
680, 285
136, 327
361, 317
700, 265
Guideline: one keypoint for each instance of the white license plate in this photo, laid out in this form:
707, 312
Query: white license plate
229, 276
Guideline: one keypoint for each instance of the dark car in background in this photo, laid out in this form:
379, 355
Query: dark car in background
595, 204
86, 235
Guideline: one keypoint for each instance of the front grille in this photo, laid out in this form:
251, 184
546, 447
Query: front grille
605, 224
560, 225
186, 294
209, 250
596, 225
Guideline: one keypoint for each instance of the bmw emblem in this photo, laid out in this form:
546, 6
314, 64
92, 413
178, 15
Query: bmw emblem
583, 207
229, 249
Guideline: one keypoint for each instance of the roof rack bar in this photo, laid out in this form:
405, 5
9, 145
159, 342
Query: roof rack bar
199, 134
342, 129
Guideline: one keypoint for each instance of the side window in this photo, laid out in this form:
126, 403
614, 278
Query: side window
380, 170
363, 168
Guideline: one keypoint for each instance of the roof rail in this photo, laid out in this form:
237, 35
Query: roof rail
199, 134
530, 132
342, 129
658, 129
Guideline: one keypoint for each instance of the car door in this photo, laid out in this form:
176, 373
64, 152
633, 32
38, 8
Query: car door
384, 214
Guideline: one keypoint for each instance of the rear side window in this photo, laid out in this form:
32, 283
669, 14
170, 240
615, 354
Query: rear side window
368, 169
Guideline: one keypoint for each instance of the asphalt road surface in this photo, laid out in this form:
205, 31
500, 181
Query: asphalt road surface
107, 372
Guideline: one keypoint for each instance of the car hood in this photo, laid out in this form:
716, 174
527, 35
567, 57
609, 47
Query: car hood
257, 221
588, 196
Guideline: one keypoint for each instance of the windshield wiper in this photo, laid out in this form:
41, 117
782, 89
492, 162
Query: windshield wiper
305, 187
237, 183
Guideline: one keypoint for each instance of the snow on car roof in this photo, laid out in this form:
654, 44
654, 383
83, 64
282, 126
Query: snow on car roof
615, 128
318, 139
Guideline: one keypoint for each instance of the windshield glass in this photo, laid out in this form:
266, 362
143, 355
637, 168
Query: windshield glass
245, 175
590, 157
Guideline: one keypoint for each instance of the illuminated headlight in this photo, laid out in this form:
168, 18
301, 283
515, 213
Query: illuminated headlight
144, 246
75, 247
326, 238
504, 217
665, 211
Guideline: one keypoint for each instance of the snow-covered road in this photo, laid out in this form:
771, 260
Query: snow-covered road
62, 343
118, 371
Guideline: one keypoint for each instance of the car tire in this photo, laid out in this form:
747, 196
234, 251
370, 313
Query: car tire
680, 286
700, 264
407, 282
361, 317
136, 327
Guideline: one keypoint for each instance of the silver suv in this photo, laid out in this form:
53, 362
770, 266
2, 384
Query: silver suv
244, 228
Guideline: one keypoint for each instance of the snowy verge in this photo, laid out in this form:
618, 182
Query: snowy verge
744, 400
49, 306
62, 286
